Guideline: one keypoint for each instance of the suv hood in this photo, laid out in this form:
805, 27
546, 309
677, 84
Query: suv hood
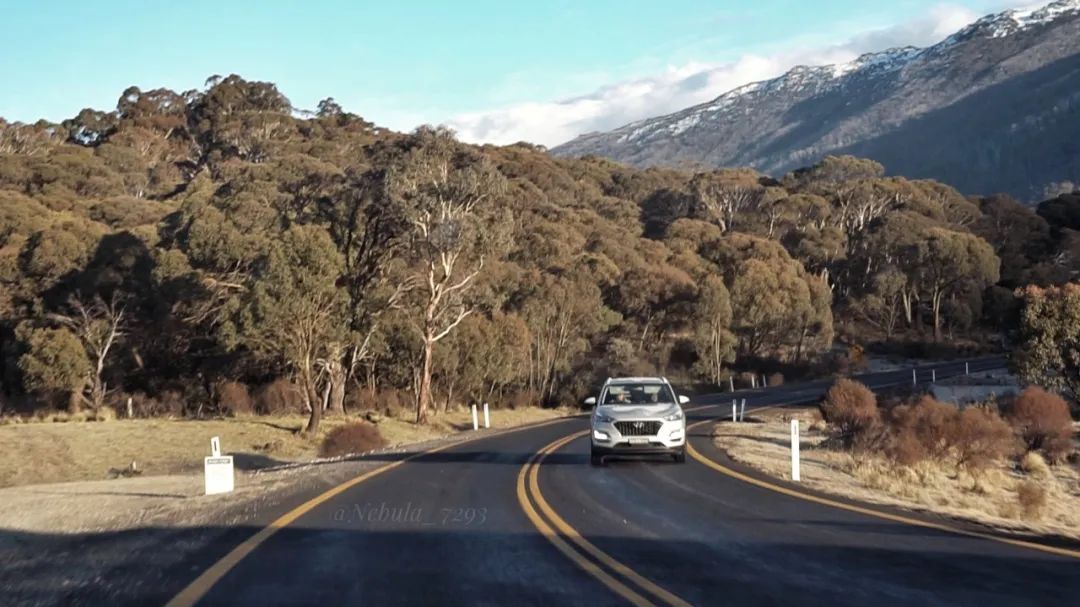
638, 411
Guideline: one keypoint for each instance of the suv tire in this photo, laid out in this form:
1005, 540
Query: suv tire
596, 459
680, 456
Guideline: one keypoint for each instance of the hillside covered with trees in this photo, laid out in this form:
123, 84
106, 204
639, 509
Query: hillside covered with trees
185, 249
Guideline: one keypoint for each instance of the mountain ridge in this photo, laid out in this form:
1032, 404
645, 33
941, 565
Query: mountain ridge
795, 119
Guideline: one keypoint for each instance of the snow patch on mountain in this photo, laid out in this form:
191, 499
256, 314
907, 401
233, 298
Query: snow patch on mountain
806, 80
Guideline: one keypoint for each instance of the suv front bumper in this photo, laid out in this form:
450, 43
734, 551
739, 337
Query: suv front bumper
670, 438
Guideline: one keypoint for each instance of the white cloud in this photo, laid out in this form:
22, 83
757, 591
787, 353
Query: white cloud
678, 87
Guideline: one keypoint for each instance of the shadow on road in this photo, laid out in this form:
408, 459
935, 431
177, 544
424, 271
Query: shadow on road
382, 563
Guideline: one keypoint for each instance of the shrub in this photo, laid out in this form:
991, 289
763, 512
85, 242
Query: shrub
850, 408
1034, 465
518, 399
391, 403
835, 364
233, 398
905, 448
1043, 422
105, 413
776, 379
169, 403
1032, 498
978, 437
351, 438
925, 423
279, 397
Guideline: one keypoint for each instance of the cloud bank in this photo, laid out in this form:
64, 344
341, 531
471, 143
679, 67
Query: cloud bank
678, 87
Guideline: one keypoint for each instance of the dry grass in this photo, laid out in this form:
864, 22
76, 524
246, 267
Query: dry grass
1001, 497
34, 453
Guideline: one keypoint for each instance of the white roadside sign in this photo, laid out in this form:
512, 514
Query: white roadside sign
218, 469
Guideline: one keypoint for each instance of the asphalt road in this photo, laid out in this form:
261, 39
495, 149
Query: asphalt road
522, 518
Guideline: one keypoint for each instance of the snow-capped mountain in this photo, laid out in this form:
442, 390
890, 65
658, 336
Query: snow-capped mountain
993, 107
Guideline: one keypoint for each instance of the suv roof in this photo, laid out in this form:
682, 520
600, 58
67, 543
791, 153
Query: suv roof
635, 380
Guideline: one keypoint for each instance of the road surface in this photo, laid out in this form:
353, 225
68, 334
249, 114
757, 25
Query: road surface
521, 518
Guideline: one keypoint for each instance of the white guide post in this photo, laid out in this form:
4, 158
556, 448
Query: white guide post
914, 378
734, 411
742, 411
753, 380
795, 450
933, 376
967, 369
475, 422
731, 383
487, 418
764, 382
218, 470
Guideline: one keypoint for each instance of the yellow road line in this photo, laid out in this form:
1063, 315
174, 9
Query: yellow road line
198, 588
591, 568
868, 511
531, 472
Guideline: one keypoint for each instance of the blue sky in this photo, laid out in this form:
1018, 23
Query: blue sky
496, 70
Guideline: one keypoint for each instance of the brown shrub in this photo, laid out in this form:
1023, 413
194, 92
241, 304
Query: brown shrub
279, 397
979, 437
776, 379
1043, 422
1032, 498
169, 403
352, 438
906, 449
850, 409
926, 423
233, 398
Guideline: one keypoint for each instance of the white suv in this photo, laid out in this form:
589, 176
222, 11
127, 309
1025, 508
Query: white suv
638, 416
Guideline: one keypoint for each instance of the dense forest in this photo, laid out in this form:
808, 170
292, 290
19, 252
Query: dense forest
187, 248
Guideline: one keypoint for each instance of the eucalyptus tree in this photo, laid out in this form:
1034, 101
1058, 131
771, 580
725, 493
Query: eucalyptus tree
450, 197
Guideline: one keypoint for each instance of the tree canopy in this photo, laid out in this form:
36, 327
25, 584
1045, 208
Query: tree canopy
223, 235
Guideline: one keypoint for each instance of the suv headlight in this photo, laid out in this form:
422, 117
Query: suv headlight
600, 418
674, 417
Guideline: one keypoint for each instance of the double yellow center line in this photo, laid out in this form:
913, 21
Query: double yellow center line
619, 578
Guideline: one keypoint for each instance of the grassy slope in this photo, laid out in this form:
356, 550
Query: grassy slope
992, 500
49, 452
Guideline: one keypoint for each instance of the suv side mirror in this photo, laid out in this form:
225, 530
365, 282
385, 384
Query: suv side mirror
683, 399
591, 401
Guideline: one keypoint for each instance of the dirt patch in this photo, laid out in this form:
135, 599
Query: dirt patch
996, 499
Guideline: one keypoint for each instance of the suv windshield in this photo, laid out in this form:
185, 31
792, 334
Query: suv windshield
638, 394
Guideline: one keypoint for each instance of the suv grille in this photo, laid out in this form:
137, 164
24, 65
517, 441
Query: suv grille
638, 428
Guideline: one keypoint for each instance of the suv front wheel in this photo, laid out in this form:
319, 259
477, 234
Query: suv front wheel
680, 456
596, 459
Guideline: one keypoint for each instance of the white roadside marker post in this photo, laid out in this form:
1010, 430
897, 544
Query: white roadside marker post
475, 422
914, 378
795, 450
742, 411
967, 369
487, 418
731, 383
933, 376
218, 470
734, 411
753, 381
764, 382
